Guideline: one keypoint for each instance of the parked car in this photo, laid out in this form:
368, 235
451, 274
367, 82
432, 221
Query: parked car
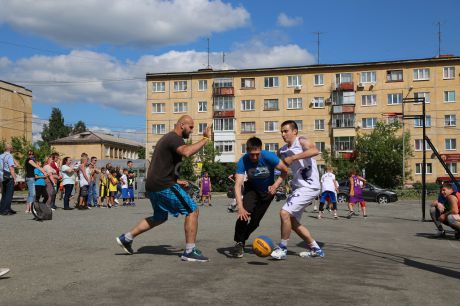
371, 193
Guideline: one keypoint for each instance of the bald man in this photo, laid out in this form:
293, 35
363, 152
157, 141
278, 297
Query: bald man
9, 178
164, 188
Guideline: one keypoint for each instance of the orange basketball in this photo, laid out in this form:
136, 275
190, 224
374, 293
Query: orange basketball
262, 246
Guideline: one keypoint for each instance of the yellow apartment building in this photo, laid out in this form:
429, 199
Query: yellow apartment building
330, 103
15, 111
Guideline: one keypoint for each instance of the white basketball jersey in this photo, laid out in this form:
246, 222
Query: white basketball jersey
305, 171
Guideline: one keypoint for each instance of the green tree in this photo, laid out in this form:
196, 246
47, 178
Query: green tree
141, 153
79, 127
380, 153
341, 166
55, 128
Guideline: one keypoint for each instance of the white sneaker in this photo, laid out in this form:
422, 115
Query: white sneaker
116, 201
312, 253
279, 253
3, 271
320, 216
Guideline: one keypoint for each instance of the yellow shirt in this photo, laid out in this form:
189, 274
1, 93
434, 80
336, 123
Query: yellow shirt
112, 186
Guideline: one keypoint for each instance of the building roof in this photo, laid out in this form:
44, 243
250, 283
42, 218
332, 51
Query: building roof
442, 59
90, 137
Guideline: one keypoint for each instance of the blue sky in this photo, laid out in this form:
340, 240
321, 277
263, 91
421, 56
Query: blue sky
90, 59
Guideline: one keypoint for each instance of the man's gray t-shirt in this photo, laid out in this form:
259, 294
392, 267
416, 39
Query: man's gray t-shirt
164, 166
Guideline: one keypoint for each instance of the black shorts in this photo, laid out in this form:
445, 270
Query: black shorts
84, 191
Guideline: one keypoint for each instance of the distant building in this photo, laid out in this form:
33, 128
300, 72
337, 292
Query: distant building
15, 111
102, 146
330, 103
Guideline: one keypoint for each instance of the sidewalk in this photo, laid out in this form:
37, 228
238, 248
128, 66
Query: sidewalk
390, 258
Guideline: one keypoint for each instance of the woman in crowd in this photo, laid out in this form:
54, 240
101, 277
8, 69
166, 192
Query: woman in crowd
51, 181
40, 184
68, 180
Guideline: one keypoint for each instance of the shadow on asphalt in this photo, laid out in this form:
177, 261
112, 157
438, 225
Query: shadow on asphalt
450, 236
160, 249
402, 260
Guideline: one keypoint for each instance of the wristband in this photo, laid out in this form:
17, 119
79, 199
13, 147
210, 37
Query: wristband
284, 162
205, 138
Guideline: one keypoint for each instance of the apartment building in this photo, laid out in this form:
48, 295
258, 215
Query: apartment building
15, 111
330, 103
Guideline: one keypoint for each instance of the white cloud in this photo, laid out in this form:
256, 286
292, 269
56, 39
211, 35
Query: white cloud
286, 21
37, 128
87, 77
131, 134
122, 22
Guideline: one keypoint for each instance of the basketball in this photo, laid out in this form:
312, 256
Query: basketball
262, 246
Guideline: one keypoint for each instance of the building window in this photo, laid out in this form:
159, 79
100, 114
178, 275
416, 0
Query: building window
223, 103
158, 108
369, 123
180, 107
243, 148
451, 144
345, 97
450, 120
159, 129
202, 127
418, 122
345, 143
421, 74
202, 106
271, 82
158, 86
343, 120
202, 85
394, 76
318, 102
224, 146
419, 145
299, 124
394, 99
449, 96
452, 167
393, 119
448, 73
368, 77
248, 127
271, 104
271, 126
272, 147
223, 124
321, 146
426, 95
319, 124
294, 80
248, 83
223, 82
369, 100
248, 105
180, 85
294, 103
319, 80
419, 167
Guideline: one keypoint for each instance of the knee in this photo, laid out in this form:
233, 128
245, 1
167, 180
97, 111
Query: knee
451, 220
284, 215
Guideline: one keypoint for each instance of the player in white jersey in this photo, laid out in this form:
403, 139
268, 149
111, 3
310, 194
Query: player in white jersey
298, 154
329, 188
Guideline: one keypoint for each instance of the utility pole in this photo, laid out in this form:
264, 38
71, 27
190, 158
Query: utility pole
208, 55
439, 39
317, 45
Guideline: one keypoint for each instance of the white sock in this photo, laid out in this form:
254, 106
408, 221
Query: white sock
129, 237
284, 243
189, 247
313, 245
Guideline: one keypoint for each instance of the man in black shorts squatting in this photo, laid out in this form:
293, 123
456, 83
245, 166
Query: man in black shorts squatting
165, 191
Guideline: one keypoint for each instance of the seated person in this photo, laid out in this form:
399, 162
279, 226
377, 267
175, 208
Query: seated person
446, 209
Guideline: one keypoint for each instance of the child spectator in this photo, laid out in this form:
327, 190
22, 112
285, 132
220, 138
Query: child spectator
40, 185
124, 186
103, 188
113, 183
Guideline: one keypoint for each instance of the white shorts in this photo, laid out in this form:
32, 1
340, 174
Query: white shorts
298, 200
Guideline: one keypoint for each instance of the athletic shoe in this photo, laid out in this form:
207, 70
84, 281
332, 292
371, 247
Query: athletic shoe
350, 213
194, 255
116, 201
315, 252
238, 250
365, 216
441, 234
4, 271
457, 235
335, 216
279, 253
320, 216
125, 245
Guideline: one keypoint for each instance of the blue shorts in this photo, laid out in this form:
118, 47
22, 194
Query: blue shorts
329, 194
130, 193
173, 200
124, 193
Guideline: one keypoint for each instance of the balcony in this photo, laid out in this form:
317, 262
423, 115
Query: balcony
224, 91
346, 86
224, 113
339, 109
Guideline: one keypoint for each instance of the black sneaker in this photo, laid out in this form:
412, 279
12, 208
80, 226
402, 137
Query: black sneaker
350, 214
238, 250
125, 245
194, 255
457, 235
